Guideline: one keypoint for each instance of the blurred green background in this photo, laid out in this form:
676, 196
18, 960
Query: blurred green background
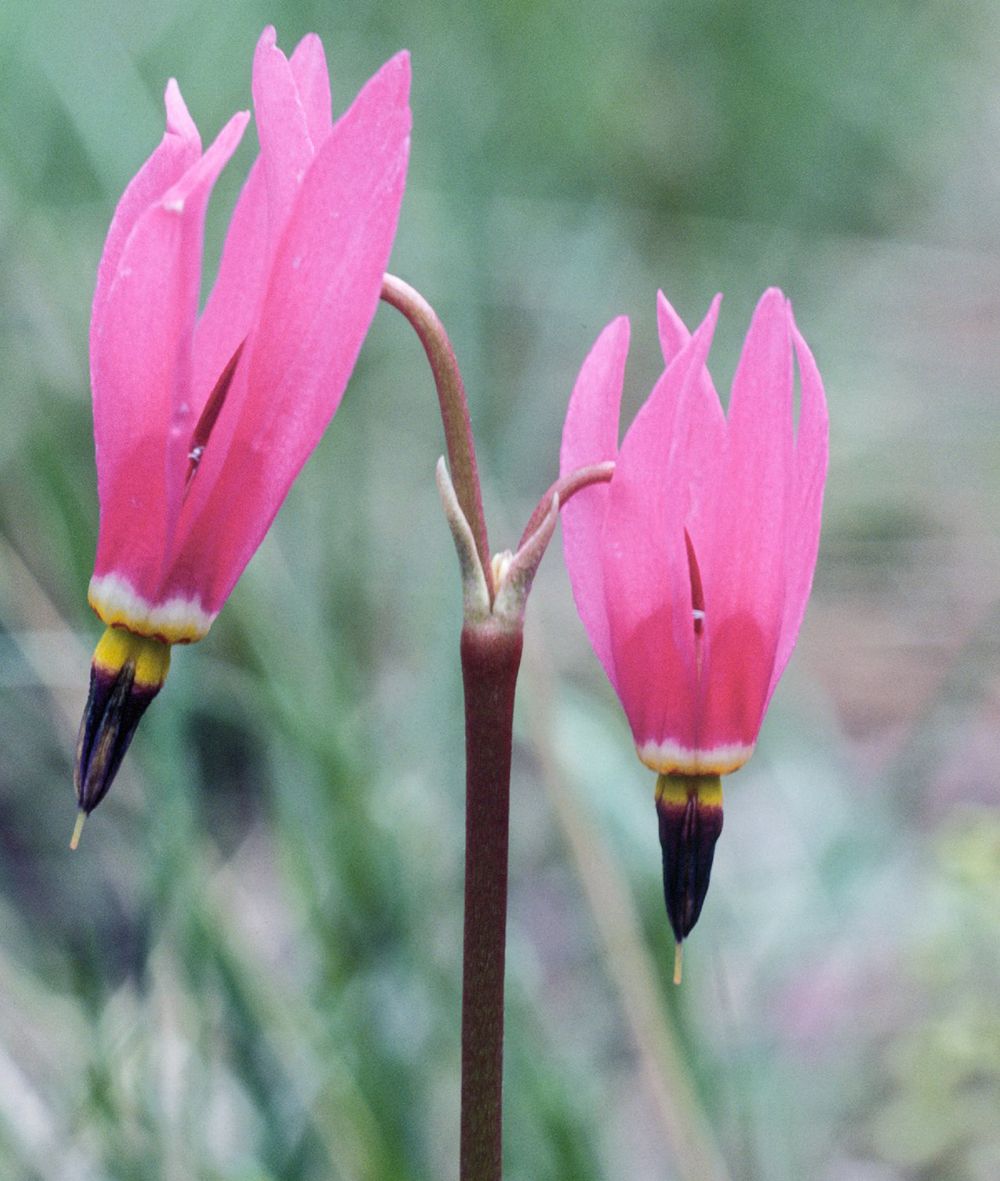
250, 968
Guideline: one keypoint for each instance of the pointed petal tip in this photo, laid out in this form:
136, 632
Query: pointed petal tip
310, 43
613, 337
774, 302
179, 121
394, 76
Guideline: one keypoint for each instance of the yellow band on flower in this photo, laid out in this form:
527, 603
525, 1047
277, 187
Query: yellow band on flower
150, 658
677, 790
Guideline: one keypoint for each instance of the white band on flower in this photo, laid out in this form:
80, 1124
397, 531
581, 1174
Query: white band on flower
175, 621
669, 758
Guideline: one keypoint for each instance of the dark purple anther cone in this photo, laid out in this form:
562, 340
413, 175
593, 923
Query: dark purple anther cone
689, 808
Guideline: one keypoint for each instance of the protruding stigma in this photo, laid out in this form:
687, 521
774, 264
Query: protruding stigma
74, 840
689, 808
678, 961
125, 675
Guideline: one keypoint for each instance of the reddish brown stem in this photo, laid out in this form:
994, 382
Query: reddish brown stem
491, 656
566, 487
454, 405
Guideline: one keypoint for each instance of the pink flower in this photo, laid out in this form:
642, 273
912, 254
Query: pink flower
202, 422
691, 569
297, 287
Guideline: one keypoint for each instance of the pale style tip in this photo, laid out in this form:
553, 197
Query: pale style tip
74, 840
678, 961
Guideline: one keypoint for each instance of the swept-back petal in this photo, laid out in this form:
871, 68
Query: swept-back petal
285, 143
673, 337
235, 297
802, 543
743, 551
292, 105
140, 359
701, 428
673, 331
176, 152
590, 435
308, 64
646, 570
321, 295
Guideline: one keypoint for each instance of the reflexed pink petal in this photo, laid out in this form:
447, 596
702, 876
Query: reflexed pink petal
673, 331
698, 442
285, 146
742, 555
140, 350
590, 436
647, 577
811, 449
308, 64
737, 667
234, 301
322, 293
292, 101
673, 337
177, 151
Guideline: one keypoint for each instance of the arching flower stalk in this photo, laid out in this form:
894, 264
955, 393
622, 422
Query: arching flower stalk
691, 569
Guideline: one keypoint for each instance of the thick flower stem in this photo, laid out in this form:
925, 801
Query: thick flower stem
491, 656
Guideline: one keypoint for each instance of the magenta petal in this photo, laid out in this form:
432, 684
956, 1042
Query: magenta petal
743, 555
285, 145
590, 436
322, 293
802, 547
673, 337
673, 331
308, 64
647, 577
176, 152
235, 297
140, 350
291, 95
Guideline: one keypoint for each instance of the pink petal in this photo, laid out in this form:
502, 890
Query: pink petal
321, 295
590, 436
802, 546
177, 151
235, 297
673, 337
294, 98
647, 576
742, 554
308, 64
140, 354
737, 661
285, 145
673, 331
700, 440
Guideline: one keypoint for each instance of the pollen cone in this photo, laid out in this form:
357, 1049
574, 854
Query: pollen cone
125, 675
689, 808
